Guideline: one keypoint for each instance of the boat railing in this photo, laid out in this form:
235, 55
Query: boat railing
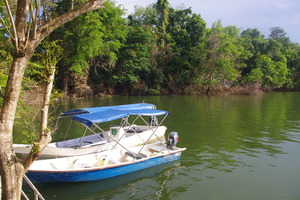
37, 195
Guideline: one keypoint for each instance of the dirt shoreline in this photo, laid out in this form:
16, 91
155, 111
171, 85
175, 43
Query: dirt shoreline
34, 95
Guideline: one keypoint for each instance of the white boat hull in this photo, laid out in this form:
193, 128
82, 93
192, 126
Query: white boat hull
134, 139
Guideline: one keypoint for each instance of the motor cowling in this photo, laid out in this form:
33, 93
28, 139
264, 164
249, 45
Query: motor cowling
172, 140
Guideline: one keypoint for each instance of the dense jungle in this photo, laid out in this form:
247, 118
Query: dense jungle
154, 51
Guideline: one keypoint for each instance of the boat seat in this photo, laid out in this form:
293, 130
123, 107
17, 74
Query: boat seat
158, 148
135, 130
135, 155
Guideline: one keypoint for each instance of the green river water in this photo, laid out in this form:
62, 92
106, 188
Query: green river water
238, 148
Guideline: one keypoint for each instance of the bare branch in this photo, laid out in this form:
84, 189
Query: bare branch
1, 92
37, 16
33, 19
28, 34
15, 38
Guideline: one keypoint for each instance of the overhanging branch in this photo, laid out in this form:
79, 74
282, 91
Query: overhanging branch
47, 28
15, 38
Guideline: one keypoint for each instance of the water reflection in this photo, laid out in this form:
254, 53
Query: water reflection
230, 140
227, 134
130, 186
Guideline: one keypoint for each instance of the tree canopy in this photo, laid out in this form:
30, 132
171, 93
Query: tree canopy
162, 50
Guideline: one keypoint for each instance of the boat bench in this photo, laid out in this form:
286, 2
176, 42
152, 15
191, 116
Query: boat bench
135, 155
135, 130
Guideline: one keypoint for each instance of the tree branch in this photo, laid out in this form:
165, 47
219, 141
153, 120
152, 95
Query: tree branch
15, 38
37, 17
33, 19
47, 28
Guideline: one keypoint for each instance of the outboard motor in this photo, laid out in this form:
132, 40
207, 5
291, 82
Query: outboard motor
172, 140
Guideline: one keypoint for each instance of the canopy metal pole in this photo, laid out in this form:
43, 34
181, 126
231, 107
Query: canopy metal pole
122, 124
130, 125
111, 137
156, 127
82, 138
152, 133
92, 129
56, 125
68, 130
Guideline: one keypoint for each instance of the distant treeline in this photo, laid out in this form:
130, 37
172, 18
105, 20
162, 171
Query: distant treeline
161, 50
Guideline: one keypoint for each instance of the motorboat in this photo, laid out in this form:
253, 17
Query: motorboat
108, 164
94, 139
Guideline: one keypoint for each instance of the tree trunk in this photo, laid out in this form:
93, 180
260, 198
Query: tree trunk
11, 187
45, 133
80, 85
12, 170
9, 164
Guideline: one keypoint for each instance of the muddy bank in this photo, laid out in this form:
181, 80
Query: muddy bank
34, 95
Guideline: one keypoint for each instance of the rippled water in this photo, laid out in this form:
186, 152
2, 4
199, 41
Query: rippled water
238, 147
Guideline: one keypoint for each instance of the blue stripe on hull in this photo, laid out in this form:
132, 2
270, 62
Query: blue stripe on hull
98, 174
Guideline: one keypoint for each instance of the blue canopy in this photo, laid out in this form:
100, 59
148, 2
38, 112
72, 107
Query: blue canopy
81, 111
110, 114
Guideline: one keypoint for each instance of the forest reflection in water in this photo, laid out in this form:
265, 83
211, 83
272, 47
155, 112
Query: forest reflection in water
238, 147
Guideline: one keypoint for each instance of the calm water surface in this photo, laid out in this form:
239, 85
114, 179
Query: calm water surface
238, 147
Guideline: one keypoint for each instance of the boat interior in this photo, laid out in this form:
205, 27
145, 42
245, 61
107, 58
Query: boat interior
115, 132
111, 158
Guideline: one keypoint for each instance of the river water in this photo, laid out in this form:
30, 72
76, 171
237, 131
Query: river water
238, 147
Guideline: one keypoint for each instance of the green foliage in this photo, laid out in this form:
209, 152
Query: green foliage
225, 55
135, 61
30, 137
187, 37
279, 35
44, 59
5, 62
254, 76
29, 115
275, 74
91, 46
269, 62
159, 49
94, 34
162, 8
255, 45
28, 120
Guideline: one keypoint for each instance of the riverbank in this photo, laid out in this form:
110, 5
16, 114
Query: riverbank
34, 95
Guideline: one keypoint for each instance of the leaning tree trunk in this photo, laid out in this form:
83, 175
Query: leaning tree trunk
9, 165
25, 41
45, 133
